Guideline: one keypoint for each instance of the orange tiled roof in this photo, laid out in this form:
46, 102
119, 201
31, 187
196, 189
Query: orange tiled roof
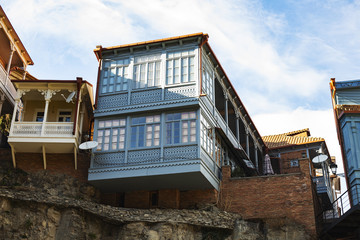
298, 137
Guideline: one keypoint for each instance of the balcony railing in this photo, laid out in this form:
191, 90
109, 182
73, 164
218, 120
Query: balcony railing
34, 129
6, 84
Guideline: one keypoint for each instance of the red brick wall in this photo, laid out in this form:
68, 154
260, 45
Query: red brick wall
137, 199
55, 163
271, 196
197, 198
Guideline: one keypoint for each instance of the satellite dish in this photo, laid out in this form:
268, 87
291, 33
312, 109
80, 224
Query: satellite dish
320, 158
70, 97
88, 145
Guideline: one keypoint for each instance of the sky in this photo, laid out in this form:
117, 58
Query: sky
279, 55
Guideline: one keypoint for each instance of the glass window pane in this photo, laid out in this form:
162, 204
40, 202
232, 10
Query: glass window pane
115, 132
121, 145
106, 147
184, 139
115, 123
107, 132
168, 133
121, 138
184, 115
148, 143
149, 119
176, 132
141, 136
133, 136
177, 116
192, 114
114, 146
106, 139
100, 133
108, 123
122, 130
157, 127
156, 142
122, 122
157, 118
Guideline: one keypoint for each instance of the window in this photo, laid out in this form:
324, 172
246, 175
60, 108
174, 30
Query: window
180, 127
154, 198
294, 163
180, 67
115, 76
39, 117
147, 71
111, 135
207, 80
145, 131
206, 137
64, 116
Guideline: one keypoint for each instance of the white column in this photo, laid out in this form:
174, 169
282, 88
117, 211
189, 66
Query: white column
47, 101
47, 95
82, 117
14, 115
226, 112
237, 127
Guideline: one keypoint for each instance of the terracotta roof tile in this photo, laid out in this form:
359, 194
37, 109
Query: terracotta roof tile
290, 138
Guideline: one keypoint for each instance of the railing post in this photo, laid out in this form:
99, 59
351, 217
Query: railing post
342, 207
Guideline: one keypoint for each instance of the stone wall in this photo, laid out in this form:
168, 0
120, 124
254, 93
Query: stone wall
284, 196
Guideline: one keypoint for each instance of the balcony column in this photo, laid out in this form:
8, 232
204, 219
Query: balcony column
237, 126
226, 111
12, 50
256, 158
247, 143
24, 76
47, 95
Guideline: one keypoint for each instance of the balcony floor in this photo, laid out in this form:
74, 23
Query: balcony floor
34, 145
187, 175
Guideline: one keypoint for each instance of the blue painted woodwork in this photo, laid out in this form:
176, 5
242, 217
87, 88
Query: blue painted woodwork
172, 75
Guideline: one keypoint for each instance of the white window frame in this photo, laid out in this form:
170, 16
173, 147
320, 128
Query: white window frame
115, 76
185, 72
187, 128
38, 110
150, 134
105, 135
64, 110
146, 71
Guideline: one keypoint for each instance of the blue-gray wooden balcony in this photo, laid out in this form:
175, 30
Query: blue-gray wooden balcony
323, 189
180, 168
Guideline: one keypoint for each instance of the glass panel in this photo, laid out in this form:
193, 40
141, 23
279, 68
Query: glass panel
115, 123
100, 133
121, 145
184, 139
149, 119
106, 139
108, 123
150, 75
191, 69
107, 132
133, 136
107, 64
156, 142
168, 133
106, 147
148, 143
114, 145
141, 136
176, 71
157, 74
176, 132
157, 118
185, 115
192, 114
122, 122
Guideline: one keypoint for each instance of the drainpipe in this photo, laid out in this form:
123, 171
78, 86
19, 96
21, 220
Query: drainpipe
78, 87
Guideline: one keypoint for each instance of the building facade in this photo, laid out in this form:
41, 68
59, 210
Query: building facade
13, 55
55, 117
167, 117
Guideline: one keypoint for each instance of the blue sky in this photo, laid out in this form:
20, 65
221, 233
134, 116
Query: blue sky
279, 55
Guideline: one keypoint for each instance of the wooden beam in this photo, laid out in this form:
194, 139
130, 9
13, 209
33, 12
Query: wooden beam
13, 156
44, 156
75, 157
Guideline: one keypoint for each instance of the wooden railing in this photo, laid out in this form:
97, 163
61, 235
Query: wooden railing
51, 129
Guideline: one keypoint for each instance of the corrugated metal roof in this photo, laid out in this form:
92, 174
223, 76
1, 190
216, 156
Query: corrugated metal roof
290, 138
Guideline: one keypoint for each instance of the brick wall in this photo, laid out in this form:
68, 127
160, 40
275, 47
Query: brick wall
197, 198
55, 163
274, 196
